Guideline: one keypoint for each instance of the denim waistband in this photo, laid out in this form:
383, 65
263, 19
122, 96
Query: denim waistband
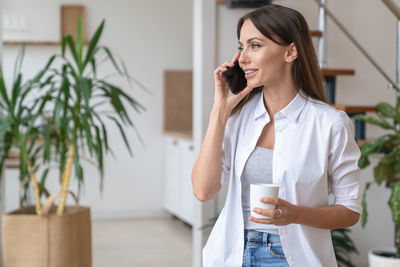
257, 236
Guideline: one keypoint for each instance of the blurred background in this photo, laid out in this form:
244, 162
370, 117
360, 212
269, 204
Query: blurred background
146, 214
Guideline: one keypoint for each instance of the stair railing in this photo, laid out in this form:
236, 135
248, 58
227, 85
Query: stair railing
396, 11
392, 6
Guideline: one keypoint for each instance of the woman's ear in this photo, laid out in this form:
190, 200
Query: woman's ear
291, 53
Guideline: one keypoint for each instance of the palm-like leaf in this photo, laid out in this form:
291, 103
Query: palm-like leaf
67, 110
389, 165
77, 117
20, 116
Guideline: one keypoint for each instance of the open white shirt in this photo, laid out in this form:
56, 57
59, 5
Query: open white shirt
314, 153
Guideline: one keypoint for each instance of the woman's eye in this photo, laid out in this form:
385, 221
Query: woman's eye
253, 46
240, 49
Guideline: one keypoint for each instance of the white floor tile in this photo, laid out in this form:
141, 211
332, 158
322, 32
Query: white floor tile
137, 243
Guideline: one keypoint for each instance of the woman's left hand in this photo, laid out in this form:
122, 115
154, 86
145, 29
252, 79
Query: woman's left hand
288, 216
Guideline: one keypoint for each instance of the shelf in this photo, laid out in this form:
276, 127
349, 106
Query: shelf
12, 165
35, 43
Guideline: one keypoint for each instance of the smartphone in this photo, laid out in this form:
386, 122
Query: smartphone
235, 78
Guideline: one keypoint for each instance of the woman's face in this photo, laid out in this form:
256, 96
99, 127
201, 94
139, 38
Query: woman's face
261, 59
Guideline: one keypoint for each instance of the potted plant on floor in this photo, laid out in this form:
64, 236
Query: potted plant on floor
386, 172
64, 117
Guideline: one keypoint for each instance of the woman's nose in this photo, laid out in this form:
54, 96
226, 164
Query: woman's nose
243, 58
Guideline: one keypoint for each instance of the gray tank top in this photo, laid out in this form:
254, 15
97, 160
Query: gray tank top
258, 169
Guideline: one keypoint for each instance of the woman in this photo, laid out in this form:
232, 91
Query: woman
277, 130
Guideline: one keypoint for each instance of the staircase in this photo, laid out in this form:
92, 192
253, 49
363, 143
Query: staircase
330, 75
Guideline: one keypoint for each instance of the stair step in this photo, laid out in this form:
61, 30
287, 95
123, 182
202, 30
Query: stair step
335, 72
315, 33
361, 142
355, 109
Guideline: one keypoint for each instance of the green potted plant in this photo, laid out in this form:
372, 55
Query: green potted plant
386, 172
54, 118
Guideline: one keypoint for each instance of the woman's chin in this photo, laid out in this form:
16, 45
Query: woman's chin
253, 84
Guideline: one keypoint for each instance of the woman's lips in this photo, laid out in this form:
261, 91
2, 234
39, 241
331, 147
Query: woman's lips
251, 74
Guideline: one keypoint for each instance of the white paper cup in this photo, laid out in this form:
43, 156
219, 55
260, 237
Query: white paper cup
258, 191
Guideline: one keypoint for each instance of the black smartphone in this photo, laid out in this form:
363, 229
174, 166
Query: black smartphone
235, 78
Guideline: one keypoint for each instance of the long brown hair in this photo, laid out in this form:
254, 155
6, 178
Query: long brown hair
283, 26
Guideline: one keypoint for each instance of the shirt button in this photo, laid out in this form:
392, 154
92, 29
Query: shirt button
290, 258
283, 232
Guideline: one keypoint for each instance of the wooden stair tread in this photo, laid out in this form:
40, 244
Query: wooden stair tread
334, 72
355, 109
316, 33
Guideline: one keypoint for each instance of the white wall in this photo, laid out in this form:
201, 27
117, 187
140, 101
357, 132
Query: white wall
150, 36
373, 25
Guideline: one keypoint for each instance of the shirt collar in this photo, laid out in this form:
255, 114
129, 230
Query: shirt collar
291, 111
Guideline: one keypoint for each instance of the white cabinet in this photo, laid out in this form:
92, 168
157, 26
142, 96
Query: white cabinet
178, 193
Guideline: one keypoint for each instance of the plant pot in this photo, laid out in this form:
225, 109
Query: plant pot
49, 239
383, 257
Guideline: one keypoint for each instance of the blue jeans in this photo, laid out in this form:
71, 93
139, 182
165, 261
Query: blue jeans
263, 250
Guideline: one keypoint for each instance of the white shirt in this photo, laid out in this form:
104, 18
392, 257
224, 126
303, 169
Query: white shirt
314, 153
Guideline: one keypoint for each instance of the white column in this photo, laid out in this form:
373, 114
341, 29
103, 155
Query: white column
322, 40
204, 58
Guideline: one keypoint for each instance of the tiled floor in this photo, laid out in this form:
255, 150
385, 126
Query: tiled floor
137, 243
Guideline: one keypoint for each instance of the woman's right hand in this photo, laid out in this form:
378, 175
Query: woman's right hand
224, 99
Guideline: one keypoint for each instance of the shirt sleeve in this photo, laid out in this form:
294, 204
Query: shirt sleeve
225, 158
343, 170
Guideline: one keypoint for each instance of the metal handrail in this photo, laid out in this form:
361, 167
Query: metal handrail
393, 7
357, 44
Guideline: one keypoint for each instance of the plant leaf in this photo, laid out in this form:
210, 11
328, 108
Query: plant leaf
122, 133
374, 121
93, 43
79, 44
386, 110
364, 213
394, 202
3, 89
